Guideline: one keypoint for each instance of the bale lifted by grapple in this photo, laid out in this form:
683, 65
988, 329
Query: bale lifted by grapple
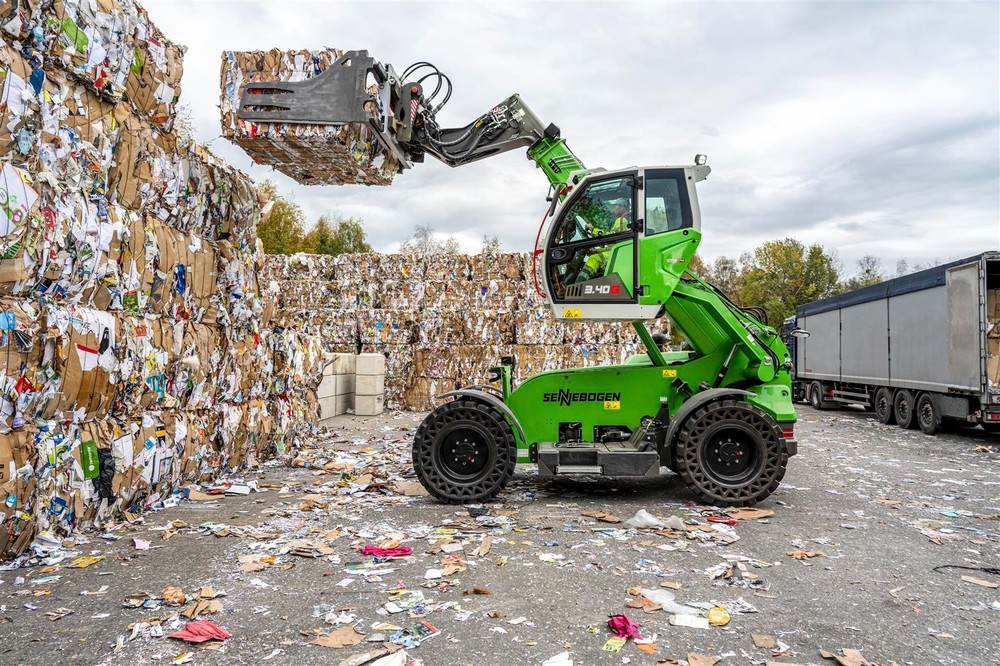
613, 246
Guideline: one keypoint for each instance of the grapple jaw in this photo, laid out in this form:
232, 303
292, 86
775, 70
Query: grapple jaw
339, 95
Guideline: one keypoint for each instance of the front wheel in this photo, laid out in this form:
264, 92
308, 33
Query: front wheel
731, 453
883, 406
464, 451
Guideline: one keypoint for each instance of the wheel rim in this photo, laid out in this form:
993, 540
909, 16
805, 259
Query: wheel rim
732, 457
464, 453
882, 405
926, 413
902, 410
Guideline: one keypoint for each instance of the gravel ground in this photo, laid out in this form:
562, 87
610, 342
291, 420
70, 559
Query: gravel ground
884, 506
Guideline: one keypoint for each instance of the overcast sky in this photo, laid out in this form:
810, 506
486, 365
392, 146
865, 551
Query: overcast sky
866, 127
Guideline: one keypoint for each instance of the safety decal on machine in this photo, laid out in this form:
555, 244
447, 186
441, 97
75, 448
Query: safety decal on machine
669, 374
572, 313
612, 404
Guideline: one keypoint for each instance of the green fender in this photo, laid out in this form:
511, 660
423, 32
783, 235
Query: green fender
492, 401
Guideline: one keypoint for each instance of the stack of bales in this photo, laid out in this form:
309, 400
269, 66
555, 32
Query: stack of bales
440, 321
136, 345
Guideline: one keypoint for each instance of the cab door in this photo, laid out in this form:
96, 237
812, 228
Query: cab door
592, 252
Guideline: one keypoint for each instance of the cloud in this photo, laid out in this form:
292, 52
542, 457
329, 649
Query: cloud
867, 127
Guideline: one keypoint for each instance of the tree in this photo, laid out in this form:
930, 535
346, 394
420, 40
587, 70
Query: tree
727, 274
281, 231
492, 245
423, 242
341, 237
869, 273
784, 273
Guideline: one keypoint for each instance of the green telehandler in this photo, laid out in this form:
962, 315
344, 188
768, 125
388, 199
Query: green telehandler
614, 245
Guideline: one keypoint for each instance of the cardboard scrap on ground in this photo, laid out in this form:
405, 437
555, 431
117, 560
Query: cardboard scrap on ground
749, 514
308, 548
602, 516
852, 657
340, 638
801, 554
979, 581
695, 659
763, 641
410, 489
371, 655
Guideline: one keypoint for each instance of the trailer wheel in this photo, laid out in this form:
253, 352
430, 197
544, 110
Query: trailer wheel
816, 395
464, 451
730, 453
883, 406
928, 415
902, 407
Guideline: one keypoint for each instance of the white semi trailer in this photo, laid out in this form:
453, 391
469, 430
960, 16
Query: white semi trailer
917, 350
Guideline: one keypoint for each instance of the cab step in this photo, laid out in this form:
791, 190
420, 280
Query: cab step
594, 459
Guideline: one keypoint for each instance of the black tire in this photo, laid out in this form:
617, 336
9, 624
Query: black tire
816, 395
991, 427
734, 433
883, 406
464, 451
903, 409
928, 415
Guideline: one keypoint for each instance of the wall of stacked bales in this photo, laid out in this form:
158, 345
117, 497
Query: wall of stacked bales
441, 321
136, 341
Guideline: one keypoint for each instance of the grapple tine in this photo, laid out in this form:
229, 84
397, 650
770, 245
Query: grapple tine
335, 97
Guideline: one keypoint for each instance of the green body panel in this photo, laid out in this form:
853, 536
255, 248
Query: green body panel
729, 348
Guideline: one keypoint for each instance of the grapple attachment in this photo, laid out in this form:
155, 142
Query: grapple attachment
339, 95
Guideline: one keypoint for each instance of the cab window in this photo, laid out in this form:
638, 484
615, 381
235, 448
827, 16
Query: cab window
667, 205
605, 208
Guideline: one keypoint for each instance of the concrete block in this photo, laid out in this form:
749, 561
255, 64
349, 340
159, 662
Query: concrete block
369, 405
345, 384
370, 385
327, 407
344, 403
370, 364
343, 364
327, 387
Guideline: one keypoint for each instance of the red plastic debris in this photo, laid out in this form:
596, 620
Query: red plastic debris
201, 631
623, 626
398, 551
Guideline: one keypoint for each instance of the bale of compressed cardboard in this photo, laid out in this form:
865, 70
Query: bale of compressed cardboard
309, 154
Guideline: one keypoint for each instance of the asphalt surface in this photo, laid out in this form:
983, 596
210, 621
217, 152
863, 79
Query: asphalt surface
883, 505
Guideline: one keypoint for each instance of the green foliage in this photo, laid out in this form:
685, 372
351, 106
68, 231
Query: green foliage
340, 237
281, 232
783, 274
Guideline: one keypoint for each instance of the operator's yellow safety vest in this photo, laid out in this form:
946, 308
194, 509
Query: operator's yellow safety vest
594, 266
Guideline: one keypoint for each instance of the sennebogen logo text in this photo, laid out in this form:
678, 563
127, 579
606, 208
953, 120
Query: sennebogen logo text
567, 398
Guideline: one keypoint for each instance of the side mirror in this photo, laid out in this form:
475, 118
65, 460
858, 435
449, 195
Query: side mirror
800, 333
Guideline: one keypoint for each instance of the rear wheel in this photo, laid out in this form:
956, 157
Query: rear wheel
928, 415
730, 453
902, 408
464, 451
883, 406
